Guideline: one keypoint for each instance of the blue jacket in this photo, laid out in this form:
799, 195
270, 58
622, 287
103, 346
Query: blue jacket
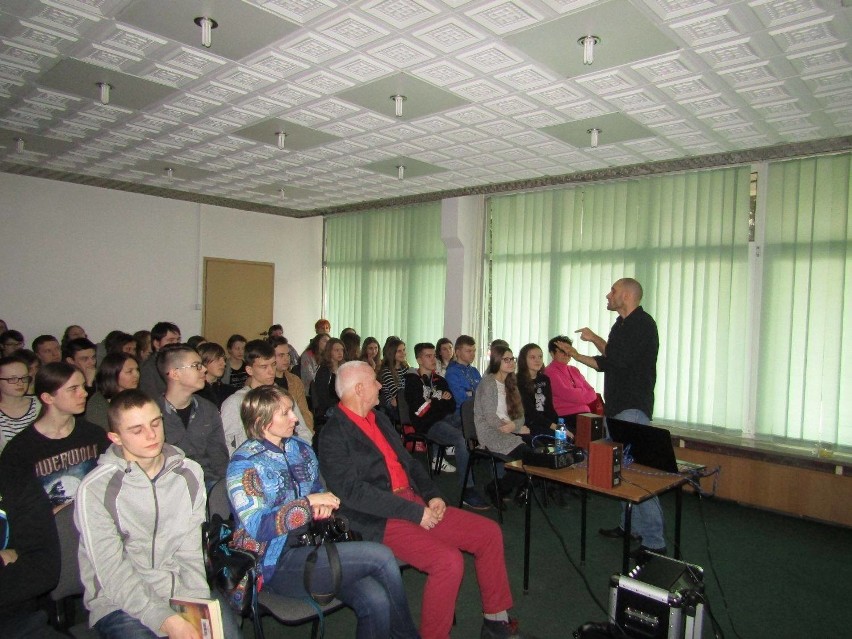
463, 381
268, 489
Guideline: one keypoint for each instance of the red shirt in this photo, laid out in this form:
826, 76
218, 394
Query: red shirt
368, 425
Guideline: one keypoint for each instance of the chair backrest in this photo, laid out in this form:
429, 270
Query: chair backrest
217, 501
468, 423
402, 406
69, 542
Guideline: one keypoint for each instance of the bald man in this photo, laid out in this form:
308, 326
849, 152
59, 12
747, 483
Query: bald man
389, 498
628, 360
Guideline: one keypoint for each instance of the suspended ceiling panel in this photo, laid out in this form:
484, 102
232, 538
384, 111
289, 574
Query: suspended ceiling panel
497, 92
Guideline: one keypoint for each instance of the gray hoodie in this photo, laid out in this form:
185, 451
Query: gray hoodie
140, 540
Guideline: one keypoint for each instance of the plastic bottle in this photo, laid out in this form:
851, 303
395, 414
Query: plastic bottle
561, 436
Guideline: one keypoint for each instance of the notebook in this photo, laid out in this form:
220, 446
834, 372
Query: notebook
649, 445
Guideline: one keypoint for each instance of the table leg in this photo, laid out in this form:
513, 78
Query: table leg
527, 512
625, 557
583, 510
678, 512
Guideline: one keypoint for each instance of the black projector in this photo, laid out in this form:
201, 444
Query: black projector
546, 457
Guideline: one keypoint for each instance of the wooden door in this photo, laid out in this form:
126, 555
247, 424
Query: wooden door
238, 298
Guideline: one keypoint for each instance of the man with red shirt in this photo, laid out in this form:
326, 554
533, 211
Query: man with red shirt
389, 498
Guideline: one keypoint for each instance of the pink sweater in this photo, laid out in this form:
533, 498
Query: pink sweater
572, 394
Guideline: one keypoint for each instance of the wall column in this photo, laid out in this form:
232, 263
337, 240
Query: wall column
462, 230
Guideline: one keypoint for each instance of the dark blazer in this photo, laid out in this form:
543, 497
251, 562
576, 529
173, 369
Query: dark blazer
355, 471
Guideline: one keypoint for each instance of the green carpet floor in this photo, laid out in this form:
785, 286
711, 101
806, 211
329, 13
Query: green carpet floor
781, 577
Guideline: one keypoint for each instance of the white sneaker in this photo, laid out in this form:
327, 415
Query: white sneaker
447, 467
450, 451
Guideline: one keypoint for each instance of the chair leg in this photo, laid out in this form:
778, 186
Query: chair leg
497, 489
429, 464
467, 470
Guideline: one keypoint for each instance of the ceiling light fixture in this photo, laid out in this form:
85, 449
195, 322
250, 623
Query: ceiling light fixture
207, 25
400, 171
588, 43
595, 133
104, 87
19, 145
281, 135
397, 103
169, 173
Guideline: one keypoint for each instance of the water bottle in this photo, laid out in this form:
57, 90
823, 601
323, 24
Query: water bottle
561, 436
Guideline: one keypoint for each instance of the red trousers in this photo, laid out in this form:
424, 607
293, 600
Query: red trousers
438, 553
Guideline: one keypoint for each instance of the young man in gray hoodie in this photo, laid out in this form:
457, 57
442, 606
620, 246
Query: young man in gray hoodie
139, 514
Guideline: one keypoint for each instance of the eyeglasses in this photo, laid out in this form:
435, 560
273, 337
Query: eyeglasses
26, 379
509, 360
196, 365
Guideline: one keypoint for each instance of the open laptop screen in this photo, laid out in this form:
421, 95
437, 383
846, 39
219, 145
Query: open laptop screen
649, 445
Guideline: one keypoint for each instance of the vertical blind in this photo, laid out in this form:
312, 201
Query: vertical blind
805, 370
555, 255
386, 272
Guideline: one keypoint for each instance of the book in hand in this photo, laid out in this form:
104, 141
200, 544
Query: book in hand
204, 614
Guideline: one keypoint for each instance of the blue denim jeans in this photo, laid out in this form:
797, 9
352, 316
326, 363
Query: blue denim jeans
370, 584
448, 432
120, 625
647, 518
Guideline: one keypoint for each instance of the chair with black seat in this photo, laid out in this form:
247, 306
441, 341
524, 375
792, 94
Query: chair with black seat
69, 587
476, 452
293, 611
411, 436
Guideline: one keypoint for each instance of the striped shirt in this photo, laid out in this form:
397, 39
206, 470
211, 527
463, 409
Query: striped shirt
11, 426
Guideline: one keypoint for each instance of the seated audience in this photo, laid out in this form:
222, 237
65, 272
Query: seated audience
351, 346
275, 492
10, 342
322, 326
290, 382
29, 558
61, 447
150, 381
370, 353
572, 394
195, 341
444, 355
143, 345
73, 332
277, 331
323, 394
389, 498
499, 417
462, 376
536, 393
213, 358
309, 362
260, 368
191, 423
33, 365
119, 342
235, 366
432, 412
46, 347
17, 409
118, 372
139, 515
81, 353
392, 376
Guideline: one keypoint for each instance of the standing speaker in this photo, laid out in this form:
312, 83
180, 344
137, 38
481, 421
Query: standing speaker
605, 464
589, 428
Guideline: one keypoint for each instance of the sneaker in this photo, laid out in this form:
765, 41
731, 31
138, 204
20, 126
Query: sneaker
446, 467
472, 499
502, 630
450, 451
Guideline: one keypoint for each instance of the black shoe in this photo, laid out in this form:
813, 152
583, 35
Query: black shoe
639, 553
617, 533
502, 630
472, 499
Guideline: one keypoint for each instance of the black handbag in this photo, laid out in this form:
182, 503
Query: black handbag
232, 571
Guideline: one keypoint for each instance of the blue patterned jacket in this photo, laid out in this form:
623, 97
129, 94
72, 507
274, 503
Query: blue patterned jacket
268, 489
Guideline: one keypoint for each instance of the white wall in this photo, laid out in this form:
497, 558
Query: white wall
106, 259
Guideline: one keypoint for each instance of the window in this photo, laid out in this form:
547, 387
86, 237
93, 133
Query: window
386, 272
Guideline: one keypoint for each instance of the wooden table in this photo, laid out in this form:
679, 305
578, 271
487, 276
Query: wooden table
639, 483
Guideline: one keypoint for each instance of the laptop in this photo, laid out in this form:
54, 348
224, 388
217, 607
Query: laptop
649, 445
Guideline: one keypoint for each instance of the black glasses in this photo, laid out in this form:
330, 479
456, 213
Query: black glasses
26, 379
509, 360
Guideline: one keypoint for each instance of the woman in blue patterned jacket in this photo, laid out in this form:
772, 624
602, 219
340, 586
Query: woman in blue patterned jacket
275, 492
